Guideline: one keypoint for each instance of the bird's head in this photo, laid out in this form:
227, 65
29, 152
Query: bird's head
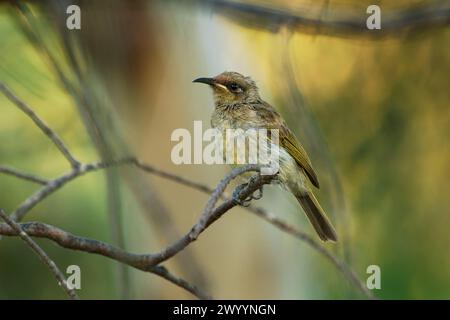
231, 88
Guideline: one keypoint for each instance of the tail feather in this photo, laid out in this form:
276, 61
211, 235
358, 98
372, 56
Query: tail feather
317, 216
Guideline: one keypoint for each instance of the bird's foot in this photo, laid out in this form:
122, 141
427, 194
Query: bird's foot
245, 203
258, 194
237, 199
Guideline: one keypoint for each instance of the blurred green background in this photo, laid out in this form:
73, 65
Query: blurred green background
373, 114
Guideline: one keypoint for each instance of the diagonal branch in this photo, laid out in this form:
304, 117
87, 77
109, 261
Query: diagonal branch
164, 273
22, 175
40, 124
210, 216
41, 254
218, 192
339, 264
270, 218
59, 182
146, 262
263, 214
70, 241
143, 261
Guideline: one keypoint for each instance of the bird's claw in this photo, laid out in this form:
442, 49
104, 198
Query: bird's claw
258, 194
246, 202
236, 198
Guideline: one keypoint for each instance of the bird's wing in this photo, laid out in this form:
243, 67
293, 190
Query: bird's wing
288, 141
295, 149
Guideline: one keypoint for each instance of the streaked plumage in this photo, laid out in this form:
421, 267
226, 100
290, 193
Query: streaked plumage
238, 105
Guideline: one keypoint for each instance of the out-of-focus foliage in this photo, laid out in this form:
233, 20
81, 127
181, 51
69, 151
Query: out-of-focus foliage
376, 113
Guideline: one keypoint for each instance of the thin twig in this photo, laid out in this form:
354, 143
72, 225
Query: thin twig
272, 219
141, 187
40, 124
216, 195
57, 183
340, 265
60, 181
70, 241
170, 176
210, 216
22, 175
164, 273
41, 254
144, 262
27, 23
149, 260
82, 95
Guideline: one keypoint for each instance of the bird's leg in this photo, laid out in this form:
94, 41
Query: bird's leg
246, 202
236, 198
258, 194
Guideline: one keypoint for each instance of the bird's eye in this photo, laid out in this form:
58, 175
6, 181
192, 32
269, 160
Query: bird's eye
234, 87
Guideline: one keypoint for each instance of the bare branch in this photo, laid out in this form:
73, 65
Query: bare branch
264, 214
57, 183
40, 124
53, 185
206, 219
41, 254
67, 240
22, 175
144, 261
216, 194
164, 273
70, 241
170, 176
150, 262
141, 187
340, 265
272, 219
209, 216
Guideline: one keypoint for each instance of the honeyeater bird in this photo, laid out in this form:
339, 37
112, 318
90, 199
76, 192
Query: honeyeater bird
239, 106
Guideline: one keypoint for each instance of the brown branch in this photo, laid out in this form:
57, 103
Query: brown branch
150, 262
270, 218
170, 176
272, 19
209, 215
40, 124
164, 273
59, 182
41, 254
70, 241
22, 175
67, 240
143, 262
79, 91
339, 264
146, 262
218, 192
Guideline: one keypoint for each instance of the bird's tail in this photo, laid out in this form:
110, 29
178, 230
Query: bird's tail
316, 216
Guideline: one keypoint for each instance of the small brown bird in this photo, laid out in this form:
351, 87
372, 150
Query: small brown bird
239, 106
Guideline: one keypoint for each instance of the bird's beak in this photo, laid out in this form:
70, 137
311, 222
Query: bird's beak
209, 81
212, 82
